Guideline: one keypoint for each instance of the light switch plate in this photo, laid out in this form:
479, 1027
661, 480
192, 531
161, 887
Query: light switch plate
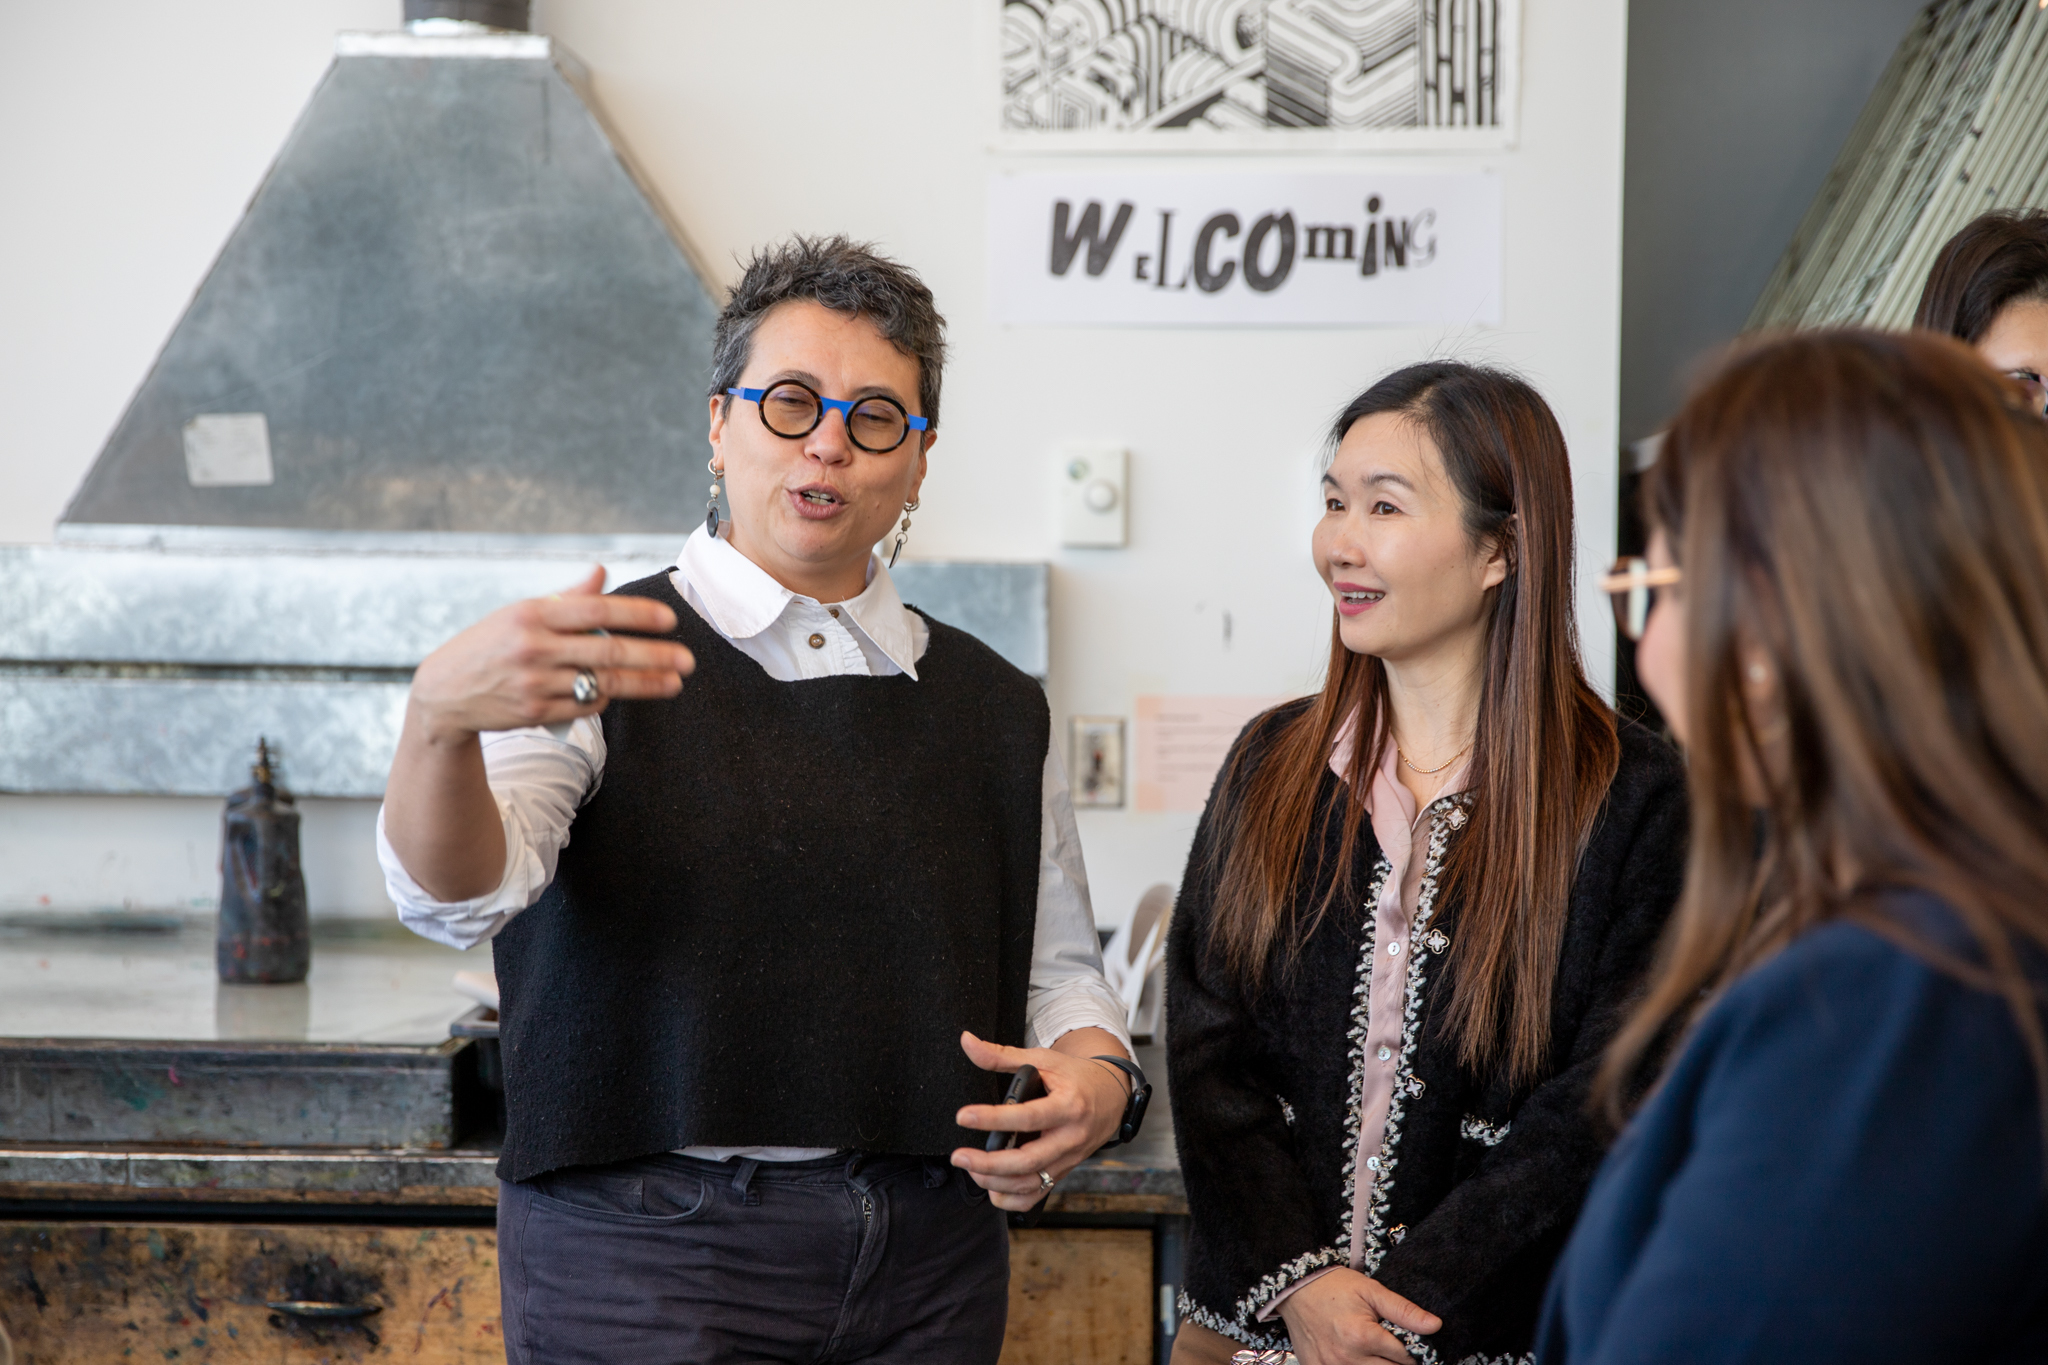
1095, 769
1093, 493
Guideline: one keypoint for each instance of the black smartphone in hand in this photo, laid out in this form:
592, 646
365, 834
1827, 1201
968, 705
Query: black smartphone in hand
1025, 1085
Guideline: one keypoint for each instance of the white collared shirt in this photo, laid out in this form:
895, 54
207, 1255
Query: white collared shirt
541, 780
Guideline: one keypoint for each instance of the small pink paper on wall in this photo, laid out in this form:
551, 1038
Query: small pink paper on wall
1182, 742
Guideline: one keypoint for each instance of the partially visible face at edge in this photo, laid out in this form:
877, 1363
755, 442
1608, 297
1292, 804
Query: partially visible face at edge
1660, 654
810, 509
2016, 345
1662, 660
1392, 545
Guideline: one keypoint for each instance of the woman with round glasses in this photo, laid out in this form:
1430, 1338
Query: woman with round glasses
761, 940
1844, 1161
1989, 288
1416, 909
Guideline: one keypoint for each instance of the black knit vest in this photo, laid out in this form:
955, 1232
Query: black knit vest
779, 910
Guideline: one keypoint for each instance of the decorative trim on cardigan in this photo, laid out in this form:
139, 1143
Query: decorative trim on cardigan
1361, 1021
1190, 1311
1425, 1354
1270, 1288
1479, 1130
1446, 817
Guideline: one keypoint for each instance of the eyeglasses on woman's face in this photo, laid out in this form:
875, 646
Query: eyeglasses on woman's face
793, 411
1632, 585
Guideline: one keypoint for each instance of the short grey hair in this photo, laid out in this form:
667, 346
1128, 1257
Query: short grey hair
848, 277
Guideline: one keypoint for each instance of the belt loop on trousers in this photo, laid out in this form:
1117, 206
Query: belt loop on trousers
743, 1181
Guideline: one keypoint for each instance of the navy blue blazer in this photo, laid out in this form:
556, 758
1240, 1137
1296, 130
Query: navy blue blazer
1845, 1165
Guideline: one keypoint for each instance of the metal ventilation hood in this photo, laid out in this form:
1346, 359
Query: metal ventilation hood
451, 306
452, 353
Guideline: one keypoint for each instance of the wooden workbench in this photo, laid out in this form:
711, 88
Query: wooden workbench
177, 1249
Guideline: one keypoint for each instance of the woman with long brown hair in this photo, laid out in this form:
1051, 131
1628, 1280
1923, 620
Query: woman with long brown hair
1849, 632
1415, 910
1989, 287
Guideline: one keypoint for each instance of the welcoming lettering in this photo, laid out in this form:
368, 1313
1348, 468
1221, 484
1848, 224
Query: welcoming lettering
1251, 249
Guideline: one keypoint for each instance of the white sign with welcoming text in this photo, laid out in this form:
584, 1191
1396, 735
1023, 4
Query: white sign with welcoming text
1234, 249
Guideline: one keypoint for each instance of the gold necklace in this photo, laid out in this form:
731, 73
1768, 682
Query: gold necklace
1430, 772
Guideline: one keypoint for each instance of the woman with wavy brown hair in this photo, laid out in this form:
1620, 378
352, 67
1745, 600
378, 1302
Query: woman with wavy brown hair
1844, 1163
1415, 911
1989, 287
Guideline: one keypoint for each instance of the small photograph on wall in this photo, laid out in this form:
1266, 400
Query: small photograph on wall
1097, 756
1204, 75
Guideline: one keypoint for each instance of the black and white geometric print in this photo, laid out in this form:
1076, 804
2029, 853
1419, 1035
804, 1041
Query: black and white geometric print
1138, 66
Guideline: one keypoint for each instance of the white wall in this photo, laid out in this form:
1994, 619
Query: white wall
141, 128
163, 853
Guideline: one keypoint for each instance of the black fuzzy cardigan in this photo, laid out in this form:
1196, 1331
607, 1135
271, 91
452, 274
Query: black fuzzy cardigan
1480, 1180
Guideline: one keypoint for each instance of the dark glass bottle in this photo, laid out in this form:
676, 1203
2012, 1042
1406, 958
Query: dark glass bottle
264, 934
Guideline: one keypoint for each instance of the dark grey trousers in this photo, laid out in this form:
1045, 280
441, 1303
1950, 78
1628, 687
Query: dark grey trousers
668, 1260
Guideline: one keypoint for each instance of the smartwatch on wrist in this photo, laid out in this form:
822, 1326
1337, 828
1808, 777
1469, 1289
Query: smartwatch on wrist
1134, 1107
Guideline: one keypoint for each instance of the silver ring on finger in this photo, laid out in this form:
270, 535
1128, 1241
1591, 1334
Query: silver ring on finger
584, 689
1045, 1182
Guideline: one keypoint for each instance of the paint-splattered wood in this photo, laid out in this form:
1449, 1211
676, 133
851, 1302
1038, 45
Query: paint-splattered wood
87, 1294
1080, 1296
84, 1294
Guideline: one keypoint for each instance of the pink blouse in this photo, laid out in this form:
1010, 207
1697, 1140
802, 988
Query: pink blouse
1403, 836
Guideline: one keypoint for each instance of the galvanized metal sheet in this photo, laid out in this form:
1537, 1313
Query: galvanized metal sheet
288, 620
1006, 606
263, 608
257, 1094
183, 737
230, 1172
388, 610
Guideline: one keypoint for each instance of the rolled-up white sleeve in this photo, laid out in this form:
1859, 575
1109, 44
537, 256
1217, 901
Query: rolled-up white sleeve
539, 780
1068, 990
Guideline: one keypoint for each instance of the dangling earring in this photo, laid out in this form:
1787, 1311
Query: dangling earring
711, 509
903, 531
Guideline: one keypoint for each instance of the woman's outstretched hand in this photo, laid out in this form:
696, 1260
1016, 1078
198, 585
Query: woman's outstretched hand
518, 665
514, 668
1335, 1320
1082, 1109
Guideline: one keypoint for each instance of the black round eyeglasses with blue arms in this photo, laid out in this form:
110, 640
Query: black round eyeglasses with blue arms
792, 411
